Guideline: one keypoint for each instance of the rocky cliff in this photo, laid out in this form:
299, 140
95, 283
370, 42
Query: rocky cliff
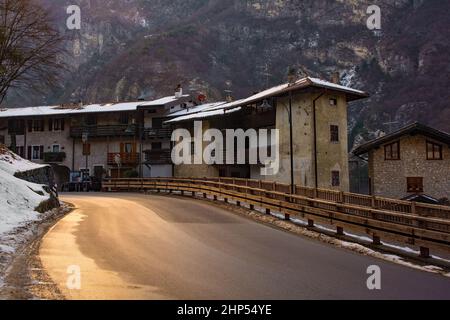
128, 49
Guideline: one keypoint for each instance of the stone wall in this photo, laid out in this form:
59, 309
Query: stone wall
389, 177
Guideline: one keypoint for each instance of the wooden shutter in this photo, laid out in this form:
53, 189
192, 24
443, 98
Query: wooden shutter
29, 152
50, 124
30, 125
41, 152
62, 124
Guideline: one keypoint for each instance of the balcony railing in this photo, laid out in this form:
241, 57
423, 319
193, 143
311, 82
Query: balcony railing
160, 133
104, 131
54, 157
125, 159
155, 157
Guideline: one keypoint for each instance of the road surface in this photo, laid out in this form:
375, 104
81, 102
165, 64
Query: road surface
130, 246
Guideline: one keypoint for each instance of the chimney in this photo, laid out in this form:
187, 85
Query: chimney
336, 78
228, 95
292, 76
178, 91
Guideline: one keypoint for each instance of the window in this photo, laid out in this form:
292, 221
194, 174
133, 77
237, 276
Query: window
156, 146
415, 184
434, 151
16, 127
36, 125
392, 151
56, 124
333, 102
157, 123
56, 148
334, 133
335, 178
20, 151
37, 152
128, 148
86, 149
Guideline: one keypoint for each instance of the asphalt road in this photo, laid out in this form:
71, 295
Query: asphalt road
155, 247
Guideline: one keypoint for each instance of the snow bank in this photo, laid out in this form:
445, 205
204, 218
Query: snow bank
18, 198
12, 163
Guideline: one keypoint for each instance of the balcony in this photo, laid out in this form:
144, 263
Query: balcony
157, 133
104, 131
158, 157
54, 157
125, 159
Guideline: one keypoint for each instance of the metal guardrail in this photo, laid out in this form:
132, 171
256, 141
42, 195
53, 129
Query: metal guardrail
426, 226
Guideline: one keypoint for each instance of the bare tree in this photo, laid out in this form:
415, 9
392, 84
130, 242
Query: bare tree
30, 47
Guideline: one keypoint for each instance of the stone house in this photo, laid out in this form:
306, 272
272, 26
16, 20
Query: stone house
414, 160
319, 132
96, 140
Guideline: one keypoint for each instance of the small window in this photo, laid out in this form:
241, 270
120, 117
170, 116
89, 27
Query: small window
38, 125
335, 178
56, 148
392, 151
86, 149
434, 151
128, 148
56, 124
37, 152
334, 133
415, 184
333, 102
20, 151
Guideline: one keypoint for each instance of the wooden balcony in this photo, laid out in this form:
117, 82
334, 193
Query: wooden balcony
160, 133
126, 159
158, 157
104, 131
54, 157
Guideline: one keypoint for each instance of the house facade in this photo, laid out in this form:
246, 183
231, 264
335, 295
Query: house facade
319, 132
96, 140
412, 161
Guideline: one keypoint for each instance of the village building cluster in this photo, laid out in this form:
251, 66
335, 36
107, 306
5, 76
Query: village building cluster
133, 139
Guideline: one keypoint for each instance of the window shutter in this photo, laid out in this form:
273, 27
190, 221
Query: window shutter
41, 152
50, 124
62, 124
30, 125
29, 153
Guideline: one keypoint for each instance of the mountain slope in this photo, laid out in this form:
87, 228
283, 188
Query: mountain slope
126, 49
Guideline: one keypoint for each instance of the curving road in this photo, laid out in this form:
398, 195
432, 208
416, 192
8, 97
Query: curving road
154, 247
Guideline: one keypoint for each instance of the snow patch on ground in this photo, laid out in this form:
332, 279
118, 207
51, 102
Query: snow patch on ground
18, 201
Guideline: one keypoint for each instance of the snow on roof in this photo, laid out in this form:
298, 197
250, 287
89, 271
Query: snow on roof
204, 114
92, 108
196, 109
277, 90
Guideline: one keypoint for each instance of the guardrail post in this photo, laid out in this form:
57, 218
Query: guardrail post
252, 207
425, 252
268, 211
225, 200
205, 195
287, 217
310, 223
238, 203
376, 240
215, 198
339, 231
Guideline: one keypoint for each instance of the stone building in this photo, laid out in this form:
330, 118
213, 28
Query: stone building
319, 132
96, 140
414, 160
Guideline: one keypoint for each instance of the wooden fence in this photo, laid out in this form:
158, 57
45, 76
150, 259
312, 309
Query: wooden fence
422, 225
